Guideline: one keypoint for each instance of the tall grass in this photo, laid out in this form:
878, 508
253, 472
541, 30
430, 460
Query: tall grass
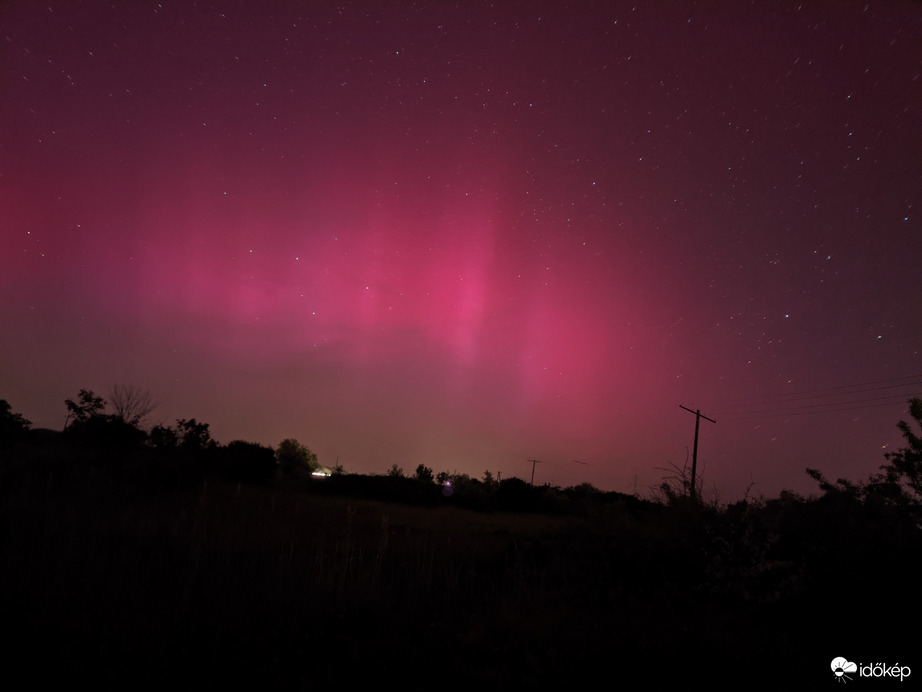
219, 584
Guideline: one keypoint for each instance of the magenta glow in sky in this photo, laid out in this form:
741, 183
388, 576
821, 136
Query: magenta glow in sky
471, 235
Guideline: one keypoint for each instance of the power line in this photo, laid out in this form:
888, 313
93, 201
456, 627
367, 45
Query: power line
830, 407
781, 399
891, 383
831, 399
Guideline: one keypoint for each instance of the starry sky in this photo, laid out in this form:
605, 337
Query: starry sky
470, 234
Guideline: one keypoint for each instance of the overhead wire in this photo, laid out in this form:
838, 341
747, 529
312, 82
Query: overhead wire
827, 400
835, 391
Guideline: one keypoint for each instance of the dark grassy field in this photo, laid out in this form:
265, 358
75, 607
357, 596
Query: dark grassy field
289, 585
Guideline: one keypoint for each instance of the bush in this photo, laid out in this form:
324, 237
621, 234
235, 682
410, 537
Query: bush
247, 462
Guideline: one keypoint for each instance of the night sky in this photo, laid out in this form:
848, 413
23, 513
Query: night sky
472, 234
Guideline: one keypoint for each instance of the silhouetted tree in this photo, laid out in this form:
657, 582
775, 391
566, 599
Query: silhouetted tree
518, 495
194, 435
163, 437
584, 491
395, 471
294, 458
89, 425
130, 403
424, 474
247, 461
86, 406
906, 464
188, 434
13, 426
900, 481
470, 491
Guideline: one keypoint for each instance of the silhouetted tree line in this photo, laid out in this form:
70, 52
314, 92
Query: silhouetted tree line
169, 455
186, 451
429, 489
896, 487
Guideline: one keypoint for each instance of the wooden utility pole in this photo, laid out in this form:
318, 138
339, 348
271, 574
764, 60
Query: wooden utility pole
533, 462
698, 417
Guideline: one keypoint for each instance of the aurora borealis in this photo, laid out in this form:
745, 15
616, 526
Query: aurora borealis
472, 234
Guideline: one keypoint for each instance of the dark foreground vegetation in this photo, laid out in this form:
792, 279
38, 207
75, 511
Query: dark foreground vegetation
129, 563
